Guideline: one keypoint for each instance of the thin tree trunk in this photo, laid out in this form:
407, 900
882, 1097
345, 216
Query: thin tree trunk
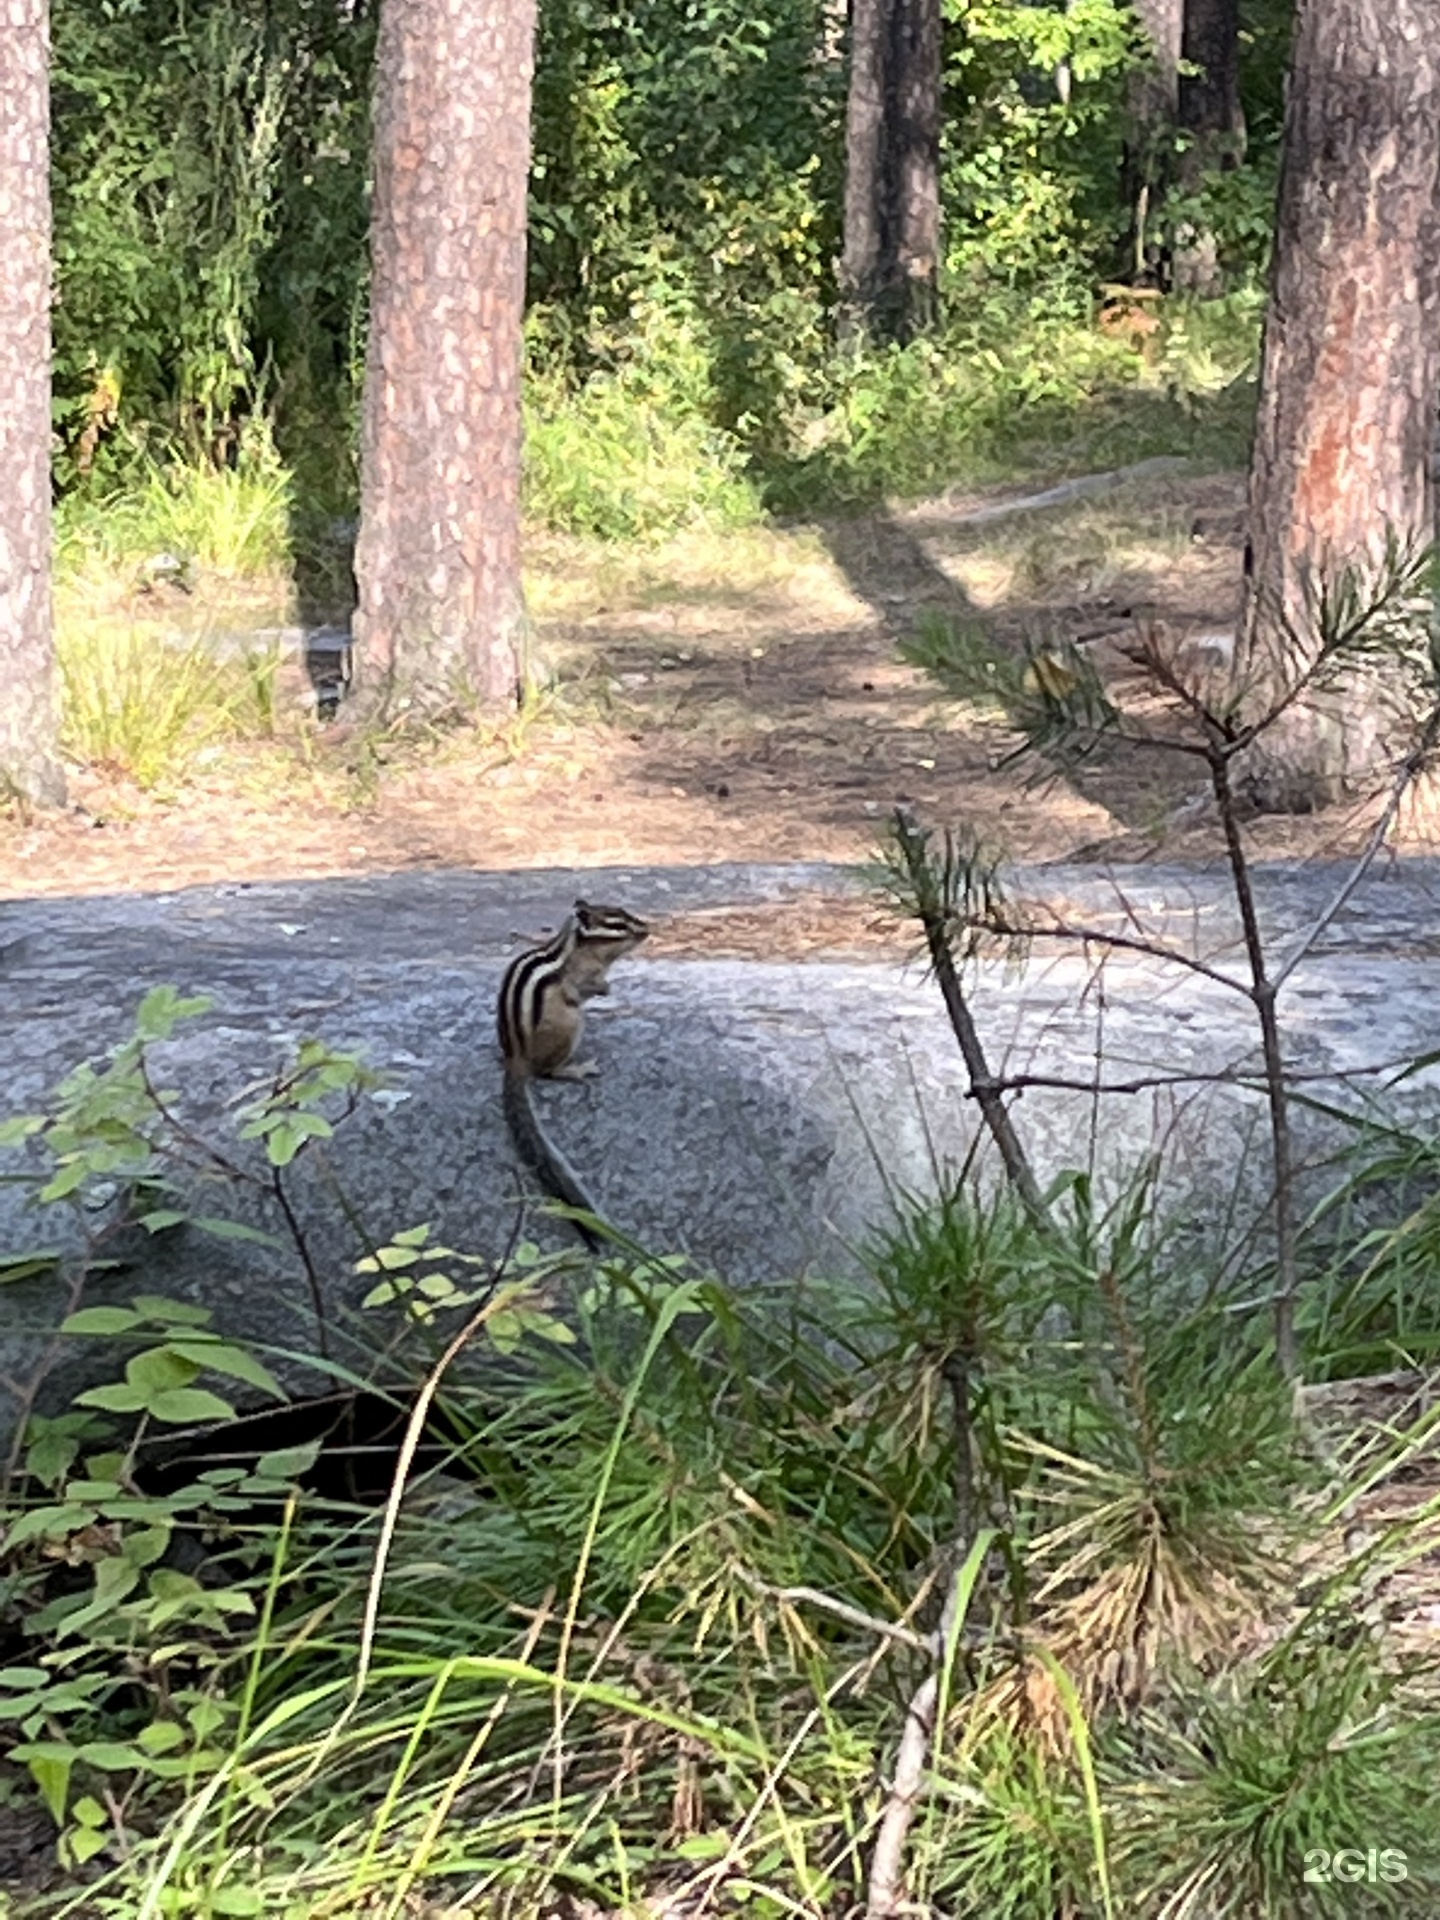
889, 270
1211, 123
861, 271
29, 695
917, 162
1350, 373
1151, 105
440, 616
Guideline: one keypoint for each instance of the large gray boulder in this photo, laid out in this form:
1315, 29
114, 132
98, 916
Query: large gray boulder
759, 1117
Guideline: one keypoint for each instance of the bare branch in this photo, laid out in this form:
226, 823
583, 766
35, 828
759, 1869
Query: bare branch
1247, 1081
1127, 942
885, 1892
927, 1643
934, 906
1409, 770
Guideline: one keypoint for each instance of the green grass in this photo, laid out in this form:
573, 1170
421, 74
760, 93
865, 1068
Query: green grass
227, 521
639, 450
610, 459
143, 703
149, 571
618, 1647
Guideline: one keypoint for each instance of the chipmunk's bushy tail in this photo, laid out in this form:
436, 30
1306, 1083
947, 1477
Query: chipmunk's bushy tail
545, 1161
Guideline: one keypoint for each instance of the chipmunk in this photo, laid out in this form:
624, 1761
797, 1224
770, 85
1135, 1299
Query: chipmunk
539, 1017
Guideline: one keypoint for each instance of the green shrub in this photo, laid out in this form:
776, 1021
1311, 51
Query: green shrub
134, 703
230, 521
629, 451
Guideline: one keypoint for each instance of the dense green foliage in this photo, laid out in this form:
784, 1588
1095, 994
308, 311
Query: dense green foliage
211, 202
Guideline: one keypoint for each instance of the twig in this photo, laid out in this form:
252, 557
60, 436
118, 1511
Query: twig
842, 1610
302, 1247
25, 1392
1126, 942
1262, 997
885, 1891
982, 1083
1248, 1081
1409, 769
204, 1151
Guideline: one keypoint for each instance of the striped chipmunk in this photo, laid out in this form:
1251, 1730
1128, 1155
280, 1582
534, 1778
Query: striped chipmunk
540, 1016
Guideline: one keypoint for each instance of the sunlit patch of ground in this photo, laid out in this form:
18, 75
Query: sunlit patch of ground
721, 696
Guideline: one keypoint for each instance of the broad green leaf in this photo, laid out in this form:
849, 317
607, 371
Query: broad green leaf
51, 1455
161, 1736
234, 1230
65, 1181
26, 1266
145, 1545
504, 1329
287, 1463
101, 1320
237, 1901
50, 1764
234, 1362
180, 1313
163, 1008
105, 1466
205, 1716
188, 1406
54, 1523
115, 1580
111, 1756
83, 1843
160, 1368
95, 1490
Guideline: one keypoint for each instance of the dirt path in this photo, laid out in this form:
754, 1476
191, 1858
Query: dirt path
732, 697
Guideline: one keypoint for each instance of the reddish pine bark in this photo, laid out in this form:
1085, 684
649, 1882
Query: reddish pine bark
1351, 366
29, 702
440, 615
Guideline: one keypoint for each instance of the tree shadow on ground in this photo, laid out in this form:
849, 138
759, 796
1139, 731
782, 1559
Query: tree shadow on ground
890, 565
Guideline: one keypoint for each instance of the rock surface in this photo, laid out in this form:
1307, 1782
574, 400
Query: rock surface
756, 1116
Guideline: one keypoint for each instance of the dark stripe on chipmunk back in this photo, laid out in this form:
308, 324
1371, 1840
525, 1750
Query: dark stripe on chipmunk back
525, 981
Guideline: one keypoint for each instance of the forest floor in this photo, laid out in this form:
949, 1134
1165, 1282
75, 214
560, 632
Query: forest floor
733, 696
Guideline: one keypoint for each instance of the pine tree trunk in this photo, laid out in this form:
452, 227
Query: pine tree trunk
889, 271
29, 698
1152, 96
916, 145
1350, 372
440, 616
1212, 125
